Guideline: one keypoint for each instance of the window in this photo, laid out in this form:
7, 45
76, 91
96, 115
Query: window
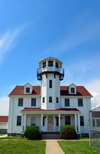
72, 90
44, 120
98, 122
56, 65
56, 99
33, 102
43, 99
50, 83
93, 122
44, 64
67, 102
57, 121
67, 120
81, 121
27, 90
50, 99
18, 120
50, 63
20, 102
33, 123
80, 102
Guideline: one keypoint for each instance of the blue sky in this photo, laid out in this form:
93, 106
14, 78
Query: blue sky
32, 30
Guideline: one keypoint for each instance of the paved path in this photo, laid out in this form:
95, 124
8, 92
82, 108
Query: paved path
52, 147
3, 136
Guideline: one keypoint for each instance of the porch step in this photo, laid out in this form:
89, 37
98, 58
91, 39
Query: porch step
50, 135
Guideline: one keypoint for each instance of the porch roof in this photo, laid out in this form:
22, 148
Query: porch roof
58, 110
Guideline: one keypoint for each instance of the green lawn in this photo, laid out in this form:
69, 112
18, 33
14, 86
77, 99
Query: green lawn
22, 147
13, 137
2, 134
77, 147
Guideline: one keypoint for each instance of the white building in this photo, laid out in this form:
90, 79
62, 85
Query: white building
49, 106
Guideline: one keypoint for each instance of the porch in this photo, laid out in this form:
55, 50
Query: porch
50, 120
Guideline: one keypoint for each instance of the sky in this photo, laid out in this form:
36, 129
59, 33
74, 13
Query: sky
32, 30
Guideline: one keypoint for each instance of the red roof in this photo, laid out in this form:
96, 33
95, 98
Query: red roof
3, 118
38, 109
36, 90
81, 91
19, 90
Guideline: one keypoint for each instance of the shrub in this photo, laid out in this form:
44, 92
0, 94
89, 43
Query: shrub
67, 132
31, 133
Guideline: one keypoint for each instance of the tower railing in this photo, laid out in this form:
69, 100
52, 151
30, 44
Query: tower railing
47, 69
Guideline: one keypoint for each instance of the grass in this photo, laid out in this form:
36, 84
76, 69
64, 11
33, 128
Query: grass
12, 137
22, 146
77, 147
2, 134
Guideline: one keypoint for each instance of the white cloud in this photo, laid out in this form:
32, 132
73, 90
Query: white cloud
7, 40
4, 105
94, 88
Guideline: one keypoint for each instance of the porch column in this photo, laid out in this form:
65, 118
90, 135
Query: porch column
24, 122
54, 122
79, 122
59, 122
41, 121
75, 123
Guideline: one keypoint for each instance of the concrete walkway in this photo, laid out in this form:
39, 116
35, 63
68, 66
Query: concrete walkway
52, 147
3, 136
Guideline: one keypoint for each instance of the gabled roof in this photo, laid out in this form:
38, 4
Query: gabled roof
80, 91
36, 90
3, 118
19, 90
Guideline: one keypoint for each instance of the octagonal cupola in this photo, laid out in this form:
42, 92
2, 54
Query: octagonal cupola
50, 65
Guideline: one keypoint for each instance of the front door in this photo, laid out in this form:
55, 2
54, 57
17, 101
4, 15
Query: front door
50, 122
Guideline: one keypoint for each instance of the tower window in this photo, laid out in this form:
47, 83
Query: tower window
56, 99
56, 65
50, 83
43, 99
44, 64
50, 99
50, 63
27, 90
72, 90
33, 102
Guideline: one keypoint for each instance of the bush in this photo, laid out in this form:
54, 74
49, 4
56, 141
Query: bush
67, 132
31, 133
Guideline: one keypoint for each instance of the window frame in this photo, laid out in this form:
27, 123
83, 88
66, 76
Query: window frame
50, 83
28, 91
44, 64
98, 124
19, 122
72, 89
57, 65
79, 102
81, 120
57, 100
50, 63
67, 122
50, 99
33, 102
93, 122
19, 103
67, 102
43, 99
34, 121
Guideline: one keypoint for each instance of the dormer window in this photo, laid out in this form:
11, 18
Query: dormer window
50, 63
44, 64
27, 90
73, 90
